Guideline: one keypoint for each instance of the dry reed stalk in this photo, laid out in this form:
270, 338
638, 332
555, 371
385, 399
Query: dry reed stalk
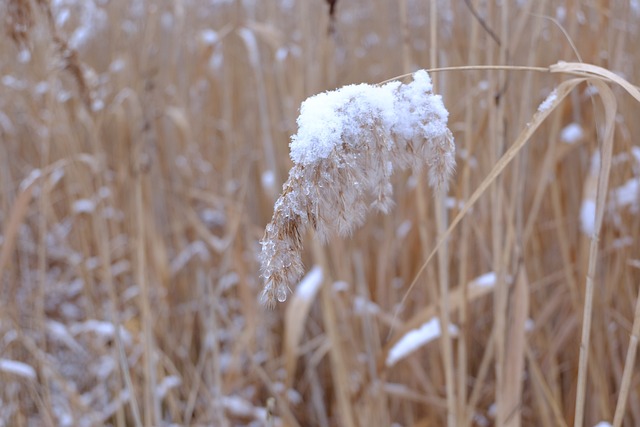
343, 165
249, 39
483, 371
15, 218
610, 106
338, 355
464, 250
543, 391
629, 363
499, 244
448, 357
149, 359
295, 319
515, 357
373, 345
100, 232
40, 314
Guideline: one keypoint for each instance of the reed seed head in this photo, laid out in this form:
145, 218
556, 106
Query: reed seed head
349, 143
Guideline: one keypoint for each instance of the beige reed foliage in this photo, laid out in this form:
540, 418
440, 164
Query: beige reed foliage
348, 144
133, 140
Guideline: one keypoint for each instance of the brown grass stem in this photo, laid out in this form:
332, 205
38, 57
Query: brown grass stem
629, 363
337, 351
448, 357
151, 410
606, 147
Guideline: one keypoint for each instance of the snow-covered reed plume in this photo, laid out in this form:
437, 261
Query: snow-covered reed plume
349, 143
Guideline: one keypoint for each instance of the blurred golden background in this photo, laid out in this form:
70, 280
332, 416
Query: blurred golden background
143, 144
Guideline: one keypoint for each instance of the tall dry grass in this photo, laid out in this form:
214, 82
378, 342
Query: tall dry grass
145, 143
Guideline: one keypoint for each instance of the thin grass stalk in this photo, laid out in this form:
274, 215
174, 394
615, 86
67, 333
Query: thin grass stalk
445, 318
496, 128
463, 265
500, 309
511, 361
191, 400
211, 322
406, 47
35, 351
14, 220
603, 181
629, 365
100, 230
443, 258
420, 199
371, 334
538, 378
328, 50
121, 357
40, 314
421, 202
251, 44
515, 357
476, 68
281, 403
340, 371
481, 376
150, 413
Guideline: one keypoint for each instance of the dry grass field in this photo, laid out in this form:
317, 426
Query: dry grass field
143, 145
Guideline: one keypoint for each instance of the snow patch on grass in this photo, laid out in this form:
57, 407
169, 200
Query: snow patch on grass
416, 338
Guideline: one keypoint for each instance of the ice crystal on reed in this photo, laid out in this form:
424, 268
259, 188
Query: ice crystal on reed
349, 143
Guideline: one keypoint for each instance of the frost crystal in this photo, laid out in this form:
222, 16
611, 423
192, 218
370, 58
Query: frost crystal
548, 102
349, 143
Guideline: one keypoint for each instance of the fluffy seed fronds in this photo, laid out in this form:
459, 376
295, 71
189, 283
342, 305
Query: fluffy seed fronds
349, 143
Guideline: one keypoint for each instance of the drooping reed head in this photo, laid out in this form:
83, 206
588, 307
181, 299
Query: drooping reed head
349, 143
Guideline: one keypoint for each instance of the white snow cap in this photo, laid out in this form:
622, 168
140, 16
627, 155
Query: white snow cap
327, 117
